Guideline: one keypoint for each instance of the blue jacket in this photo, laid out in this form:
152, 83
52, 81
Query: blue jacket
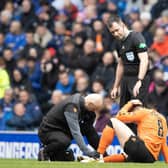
66, 89
19, 122
35, 77
6, 113
34, 112
15, 42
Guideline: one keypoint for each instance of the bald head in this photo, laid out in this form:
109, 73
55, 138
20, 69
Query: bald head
94, 102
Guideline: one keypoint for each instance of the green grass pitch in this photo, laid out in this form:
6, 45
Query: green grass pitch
13, 163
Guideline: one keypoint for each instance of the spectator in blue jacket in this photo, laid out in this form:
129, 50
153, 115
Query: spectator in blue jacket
32, 108
15, 39
6, 107
65, 82
20, 120
34, 72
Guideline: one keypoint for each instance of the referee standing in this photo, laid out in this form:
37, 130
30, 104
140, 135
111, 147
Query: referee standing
131, 73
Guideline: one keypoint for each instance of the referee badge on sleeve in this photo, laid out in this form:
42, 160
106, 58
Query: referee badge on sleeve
130, 56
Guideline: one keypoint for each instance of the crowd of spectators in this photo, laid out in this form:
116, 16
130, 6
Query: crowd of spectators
50, 49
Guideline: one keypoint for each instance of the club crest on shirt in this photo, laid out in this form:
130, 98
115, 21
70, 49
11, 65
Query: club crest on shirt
130, 56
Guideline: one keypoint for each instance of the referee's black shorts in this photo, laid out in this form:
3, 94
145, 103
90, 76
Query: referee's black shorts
137, 151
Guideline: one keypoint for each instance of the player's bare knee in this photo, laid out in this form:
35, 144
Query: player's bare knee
114, 122
111, 123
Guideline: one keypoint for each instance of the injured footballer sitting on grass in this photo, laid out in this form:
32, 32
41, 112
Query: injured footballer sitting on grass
144, 147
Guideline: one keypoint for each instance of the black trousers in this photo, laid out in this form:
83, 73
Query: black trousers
127, 85
56, 142
137, 151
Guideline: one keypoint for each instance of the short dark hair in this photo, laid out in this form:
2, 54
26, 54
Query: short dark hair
113, 18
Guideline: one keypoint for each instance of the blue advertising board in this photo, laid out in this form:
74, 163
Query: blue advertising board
19, 145
26, 145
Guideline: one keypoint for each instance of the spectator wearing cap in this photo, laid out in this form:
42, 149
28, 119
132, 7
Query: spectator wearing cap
42, 35
4, 78
160, 42
28, 18
15, 39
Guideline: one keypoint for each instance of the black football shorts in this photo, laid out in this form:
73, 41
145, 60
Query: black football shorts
137, 151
